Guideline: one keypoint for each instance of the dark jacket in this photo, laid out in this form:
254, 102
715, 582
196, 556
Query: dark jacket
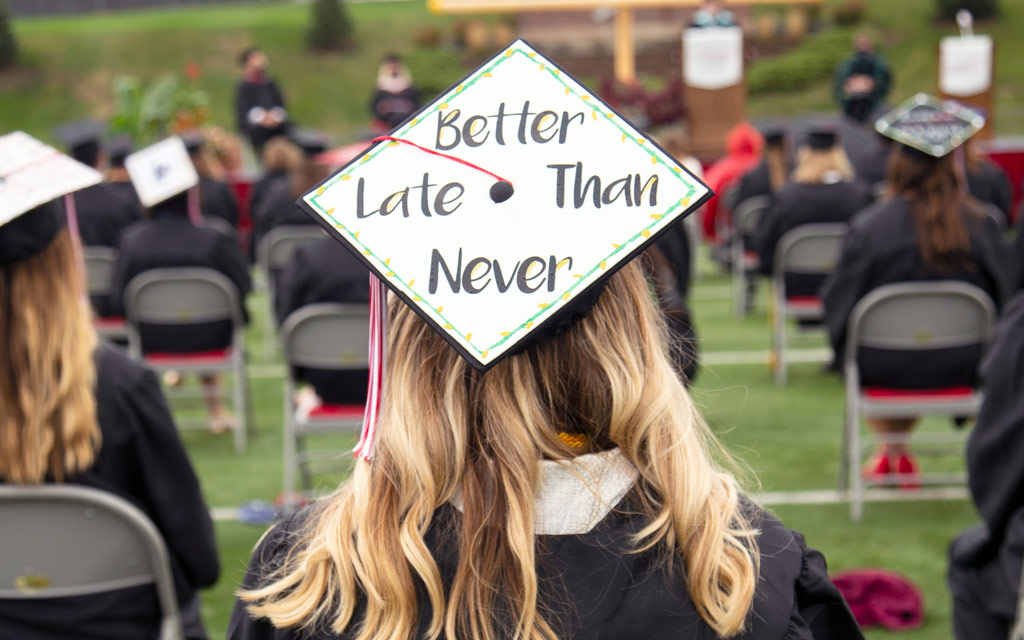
217, 199
141, 459
263, 93
990, 185
595, 589
103, 214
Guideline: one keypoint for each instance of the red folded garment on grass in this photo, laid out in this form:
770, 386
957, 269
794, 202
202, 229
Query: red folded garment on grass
881, 598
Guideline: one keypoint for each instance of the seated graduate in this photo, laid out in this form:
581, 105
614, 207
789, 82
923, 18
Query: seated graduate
170, 238
280, 158
277, 207
867, 150
985, 561
119, 148
323, 271
987, 182
822, 190
924, 229
567, 487
770, 175
77, 411
216, 198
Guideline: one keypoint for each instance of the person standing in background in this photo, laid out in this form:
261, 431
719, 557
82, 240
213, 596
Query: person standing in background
395, 98
259, 104
862, 80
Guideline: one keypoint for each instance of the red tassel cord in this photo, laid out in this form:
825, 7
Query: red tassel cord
374, 388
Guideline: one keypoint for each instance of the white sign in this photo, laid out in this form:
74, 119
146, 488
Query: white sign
965, 65
32, 173
589, 192
713, 57
161, 171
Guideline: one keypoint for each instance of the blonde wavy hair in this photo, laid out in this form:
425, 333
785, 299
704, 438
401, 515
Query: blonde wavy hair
447, 430
48, 426
813, 165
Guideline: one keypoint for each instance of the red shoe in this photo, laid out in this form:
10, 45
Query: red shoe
877, 469
907, 467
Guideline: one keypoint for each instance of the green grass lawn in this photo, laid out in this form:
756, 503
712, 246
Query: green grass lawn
788, 438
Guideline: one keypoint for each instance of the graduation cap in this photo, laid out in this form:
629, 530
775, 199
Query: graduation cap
118, 149
773, 135
930, 126
311, 141
194, 141
82, 139
32, 176
822, 138
499, 210
161, 171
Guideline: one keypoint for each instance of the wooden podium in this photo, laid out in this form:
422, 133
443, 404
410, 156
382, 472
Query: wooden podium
716, 94
967, 75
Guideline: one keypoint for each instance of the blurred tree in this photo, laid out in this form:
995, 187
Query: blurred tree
330, 28
8, 45
981, 9
165, 106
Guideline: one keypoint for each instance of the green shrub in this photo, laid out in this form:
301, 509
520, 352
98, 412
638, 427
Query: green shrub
980, 8
330, 28
8, 45
433, 70
811, 62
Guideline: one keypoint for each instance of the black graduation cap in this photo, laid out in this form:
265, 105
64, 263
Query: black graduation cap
311, 141
822, 138
774, 135
32, 178
118, 149
930, 127
194, 141
82, 139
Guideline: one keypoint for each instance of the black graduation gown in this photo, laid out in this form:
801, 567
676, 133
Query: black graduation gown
799, 204
126, 190
990, 185
866, 150
985, 561
393, 108
169, 239
277, 208
595, 589
103, 215
141, 459
754, 183
218, 200
262, 93
881, 248
324, 271
673, 290
1018, 254
262, 186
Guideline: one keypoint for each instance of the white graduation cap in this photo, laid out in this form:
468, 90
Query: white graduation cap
33, 173
542, 191
161, 171
929, 125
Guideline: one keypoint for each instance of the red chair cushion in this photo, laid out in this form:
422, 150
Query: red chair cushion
950, 393
804, 301
337, 411
109, 322
194, 356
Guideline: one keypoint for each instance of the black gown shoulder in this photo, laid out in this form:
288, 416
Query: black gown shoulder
753, 183
594, 589
103, 214
218, 200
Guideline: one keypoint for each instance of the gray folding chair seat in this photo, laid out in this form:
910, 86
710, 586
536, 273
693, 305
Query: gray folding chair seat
64, 541
744, 262
909, 316
99, 269
186, 296
327, 337
275, 251
808, 250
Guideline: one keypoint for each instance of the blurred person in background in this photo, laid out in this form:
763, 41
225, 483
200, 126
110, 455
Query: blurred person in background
712, 13
281, 157
117, 150
395, 96
862, 81
988, 182
259, 104
767, 177
868, 152
822, 190
743, 148
74, 410
924, 229
216, 197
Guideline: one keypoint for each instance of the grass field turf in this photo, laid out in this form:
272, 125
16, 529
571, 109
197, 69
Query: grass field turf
786, 439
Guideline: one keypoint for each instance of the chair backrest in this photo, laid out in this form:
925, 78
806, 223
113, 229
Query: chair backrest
747, 214
810, 249
221, 225
920, 316
327, 336
179, 295
65, 541
99, 269
279, 244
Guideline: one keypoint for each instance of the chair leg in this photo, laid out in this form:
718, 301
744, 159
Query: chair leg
843, 481
853, 468
780, 345
289, 446
739, 281
241, 406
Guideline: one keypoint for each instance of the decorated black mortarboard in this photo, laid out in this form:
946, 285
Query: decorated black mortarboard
82, 139
499, 210
164, 170
32, 177
929, 126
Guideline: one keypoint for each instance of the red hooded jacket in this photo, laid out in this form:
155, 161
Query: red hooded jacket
743, 146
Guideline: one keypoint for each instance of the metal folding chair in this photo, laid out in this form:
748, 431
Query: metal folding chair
909, 316
320, 336
274, 251
99, 268
745, 263
64, 541
810, 249
1017, 631
220, 225
185, 296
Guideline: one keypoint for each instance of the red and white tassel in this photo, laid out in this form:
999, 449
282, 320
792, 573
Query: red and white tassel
378, 331
194, 214
71, 212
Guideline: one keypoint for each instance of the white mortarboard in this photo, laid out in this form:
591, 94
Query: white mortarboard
488, 266
161, 171
33, 174
932, 126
